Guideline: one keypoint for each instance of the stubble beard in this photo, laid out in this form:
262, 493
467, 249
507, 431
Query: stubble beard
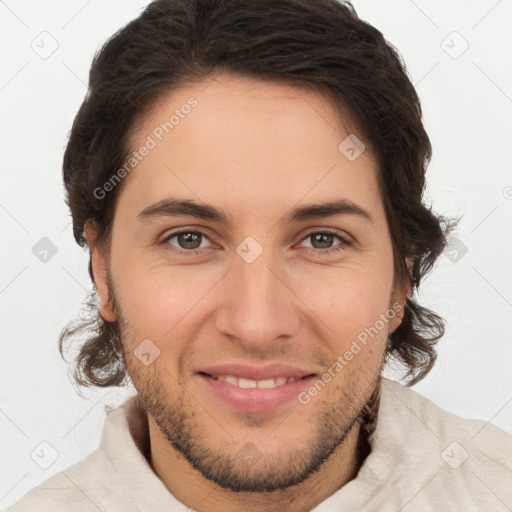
176, 414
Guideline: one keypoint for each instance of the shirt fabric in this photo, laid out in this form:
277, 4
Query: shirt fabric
422, 458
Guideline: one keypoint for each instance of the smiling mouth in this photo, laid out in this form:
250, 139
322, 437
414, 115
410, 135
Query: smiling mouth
244, 383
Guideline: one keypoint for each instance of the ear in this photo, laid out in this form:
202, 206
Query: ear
99, 269
400, 297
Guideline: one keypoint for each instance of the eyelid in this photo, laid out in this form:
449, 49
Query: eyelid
169, 236
332, 231
180, 230
345, 239
342, 235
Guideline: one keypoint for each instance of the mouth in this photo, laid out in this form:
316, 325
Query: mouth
244, 394
245, 383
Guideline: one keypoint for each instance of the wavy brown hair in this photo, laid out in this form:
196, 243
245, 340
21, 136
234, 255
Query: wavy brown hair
322, 45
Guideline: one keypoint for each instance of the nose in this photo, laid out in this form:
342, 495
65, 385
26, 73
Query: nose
259, 310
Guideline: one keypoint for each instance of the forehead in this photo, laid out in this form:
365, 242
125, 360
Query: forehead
260, 140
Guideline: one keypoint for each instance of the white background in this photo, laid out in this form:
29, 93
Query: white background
467, 104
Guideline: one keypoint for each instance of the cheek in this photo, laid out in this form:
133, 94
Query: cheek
161, 301
351, 298
153, 302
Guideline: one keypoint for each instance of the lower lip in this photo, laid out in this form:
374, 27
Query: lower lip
255, 399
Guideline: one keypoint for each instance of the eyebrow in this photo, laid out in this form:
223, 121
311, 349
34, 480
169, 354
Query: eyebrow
173, 207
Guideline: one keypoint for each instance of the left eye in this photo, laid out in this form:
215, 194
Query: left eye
324, 240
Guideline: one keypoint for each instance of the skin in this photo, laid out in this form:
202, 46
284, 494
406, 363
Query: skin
255, 150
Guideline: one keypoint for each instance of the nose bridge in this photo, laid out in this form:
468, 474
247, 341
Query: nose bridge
258, 307
256, 283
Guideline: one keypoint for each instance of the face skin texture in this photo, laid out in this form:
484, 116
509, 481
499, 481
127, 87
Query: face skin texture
255, 150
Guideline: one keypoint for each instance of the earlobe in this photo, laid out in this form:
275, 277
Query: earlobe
99, 269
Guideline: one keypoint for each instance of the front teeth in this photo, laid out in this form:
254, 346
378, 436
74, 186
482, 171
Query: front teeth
249, 383
245, 383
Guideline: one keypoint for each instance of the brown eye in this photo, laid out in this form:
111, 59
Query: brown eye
322, 240
325, 241
186, 240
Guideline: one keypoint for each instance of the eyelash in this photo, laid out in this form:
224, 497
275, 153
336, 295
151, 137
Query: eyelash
340, 247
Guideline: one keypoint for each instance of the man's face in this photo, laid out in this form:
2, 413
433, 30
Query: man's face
256, 296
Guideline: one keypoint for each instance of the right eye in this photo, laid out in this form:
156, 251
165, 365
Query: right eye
187, 241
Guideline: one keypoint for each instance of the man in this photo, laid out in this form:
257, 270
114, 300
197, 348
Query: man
248, 178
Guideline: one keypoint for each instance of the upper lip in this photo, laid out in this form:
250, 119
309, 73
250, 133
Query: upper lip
268, 371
